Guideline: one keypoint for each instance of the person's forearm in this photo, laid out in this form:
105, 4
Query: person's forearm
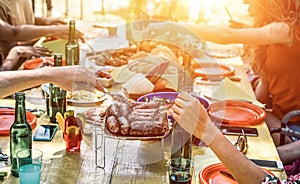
14, 81
28, 32
288, 153
11, 60
217, 34
244, 171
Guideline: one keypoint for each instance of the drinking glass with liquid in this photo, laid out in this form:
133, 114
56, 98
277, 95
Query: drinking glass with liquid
181, 171
29, 164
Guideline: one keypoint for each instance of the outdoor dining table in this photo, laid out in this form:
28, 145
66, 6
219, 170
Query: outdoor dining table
112, 160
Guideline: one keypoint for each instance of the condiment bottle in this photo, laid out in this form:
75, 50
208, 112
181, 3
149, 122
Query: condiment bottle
20, 132
57, 96
72, 46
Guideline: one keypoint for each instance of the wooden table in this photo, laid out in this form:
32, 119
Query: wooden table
127, 161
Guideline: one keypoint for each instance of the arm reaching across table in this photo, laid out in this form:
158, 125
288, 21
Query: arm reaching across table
67, 77
188, 112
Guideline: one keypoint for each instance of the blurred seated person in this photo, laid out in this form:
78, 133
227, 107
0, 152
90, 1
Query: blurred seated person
193, 117
19, 12
9, 59
48, 6
67, 77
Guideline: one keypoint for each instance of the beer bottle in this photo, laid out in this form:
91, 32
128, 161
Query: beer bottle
57, 59
72, 46
20, 132
57, 96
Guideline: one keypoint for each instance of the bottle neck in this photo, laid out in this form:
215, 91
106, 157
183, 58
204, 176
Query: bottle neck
72, 32
20, 110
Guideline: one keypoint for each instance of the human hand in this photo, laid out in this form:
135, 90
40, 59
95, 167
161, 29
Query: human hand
193, 117
156, 29
73, 78
56, 21
31, 51
62, 31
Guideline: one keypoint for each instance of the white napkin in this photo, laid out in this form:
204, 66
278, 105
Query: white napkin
228, 90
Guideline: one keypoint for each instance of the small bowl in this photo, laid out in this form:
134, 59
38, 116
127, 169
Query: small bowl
170, 96
105, 81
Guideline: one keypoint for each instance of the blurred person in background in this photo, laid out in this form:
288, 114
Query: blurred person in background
20, 12
9, 59
276, 36
48, 6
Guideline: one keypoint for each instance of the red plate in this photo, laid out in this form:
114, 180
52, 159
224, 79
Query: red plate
7, 117
212, 70
237, 113
211, 175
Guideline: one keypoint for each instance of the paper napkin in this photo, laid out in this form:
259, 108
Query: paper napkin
228, 90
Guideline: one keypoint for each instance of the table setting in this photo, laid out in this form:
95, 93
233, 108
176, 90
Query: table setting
130, 137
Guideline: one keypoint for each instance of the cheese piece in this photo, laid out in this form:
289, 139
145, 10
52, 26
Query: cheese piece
138, 84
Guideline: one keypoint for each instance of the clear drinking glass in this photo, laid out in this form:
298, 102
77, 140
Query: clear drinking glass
181, 170
196, 91
29, 164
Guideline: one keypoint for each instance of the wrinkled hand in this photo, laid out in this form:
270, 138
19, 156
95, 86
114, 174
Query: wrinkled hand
29, 51
77, 77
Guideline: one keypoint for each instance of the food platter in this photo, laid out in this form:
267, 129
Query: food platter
136, 121
236, 112
212, 71
7, 117
211, 174
82, 97
92, 99
141, 138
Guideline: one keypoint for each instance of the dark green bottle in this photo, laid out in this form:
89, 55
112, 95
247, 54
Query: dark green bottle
57, 96
72, 46
20, 132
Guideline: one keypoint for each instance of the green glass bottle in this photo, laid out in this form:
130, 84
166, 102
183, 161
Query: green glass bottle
57, 96
72, 46
20, 132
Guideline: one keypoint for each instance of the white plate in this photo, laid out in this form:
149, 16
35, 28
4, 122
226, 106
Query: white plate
45, 87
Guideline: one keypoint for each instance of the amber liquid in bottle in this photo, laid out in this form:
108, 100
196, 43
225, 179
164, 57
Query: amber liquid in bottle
57, 96
20, 132
72, 46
